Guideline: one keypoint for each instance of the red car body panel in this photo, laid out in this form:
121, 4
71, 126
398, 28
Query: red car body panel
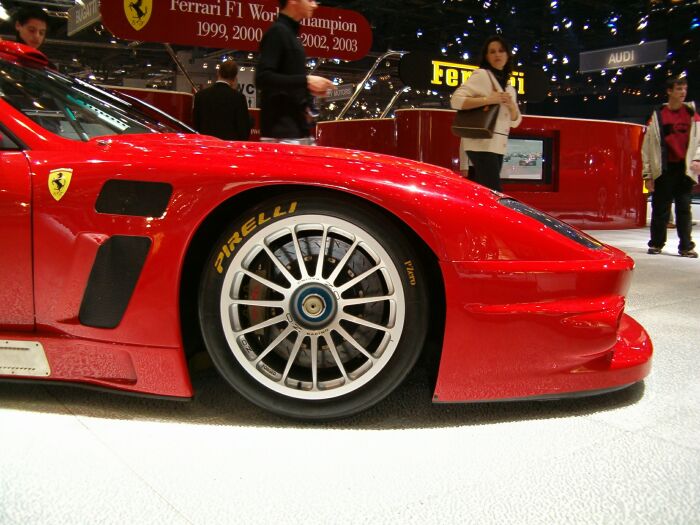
529, 311
17, 310
551, 331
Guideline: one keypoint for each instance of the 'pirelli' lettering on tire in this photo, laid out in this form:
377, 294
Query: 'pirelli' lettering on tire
246, 229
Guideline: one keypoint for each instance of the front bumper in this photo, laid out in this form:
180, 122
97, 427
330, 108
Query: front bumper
514, 332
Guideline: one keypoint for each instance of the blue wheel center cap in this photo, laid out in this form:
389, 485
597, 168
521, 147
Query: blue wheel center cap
313, 306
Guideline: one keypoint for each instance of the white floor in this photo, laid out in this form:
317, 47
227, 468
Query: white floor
78, 457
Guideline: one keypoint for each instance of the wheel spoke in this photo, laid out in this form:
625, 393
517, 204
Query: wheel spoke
357, 279
283, 270
333, 276
292, 357
336, 357
314, 363
269, 284
264, 303
365, 300
274, 344
299, 255
270, 322
357, 320
321, 254
350, 339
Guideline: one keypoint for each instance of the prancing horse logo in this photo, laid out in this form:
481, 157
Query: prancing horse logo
138, 12
59, 180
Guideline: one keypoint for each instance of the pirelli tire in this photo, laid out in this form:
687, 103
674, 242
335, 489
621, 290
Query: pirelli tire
313, 333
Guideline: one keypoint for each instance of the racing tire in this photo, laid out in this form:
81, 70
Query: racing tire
309, 336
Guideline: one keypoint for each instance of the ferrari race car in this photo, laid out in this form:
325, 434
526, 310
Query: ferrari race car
530, 160
313, 277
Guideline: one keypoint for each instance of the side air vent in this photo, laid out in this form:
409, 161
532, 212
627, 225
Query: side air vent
113, 277
132, 197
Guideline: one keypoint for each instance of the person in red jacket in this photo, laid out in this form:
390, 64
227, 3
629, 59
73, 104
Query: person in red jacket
670, 167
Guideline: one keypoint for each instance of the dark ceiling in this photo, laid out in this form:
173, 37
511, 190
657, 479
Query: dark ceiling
548, 35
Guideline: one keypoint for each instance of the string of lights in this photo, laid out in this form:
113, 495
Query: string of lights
550, 35
547, 35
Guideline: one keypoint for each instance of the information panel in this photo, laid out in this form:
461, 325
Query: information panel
228, 24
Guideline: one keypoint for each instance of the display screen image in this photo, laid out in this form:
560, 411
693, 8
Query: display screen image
526, 160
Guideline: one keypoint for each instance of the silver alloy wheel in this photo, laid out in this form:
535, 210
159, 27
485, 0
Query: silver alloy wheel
309, 326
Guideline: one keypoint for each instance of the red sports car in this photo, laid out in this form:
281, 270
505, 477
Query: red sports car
314, 277
530, 160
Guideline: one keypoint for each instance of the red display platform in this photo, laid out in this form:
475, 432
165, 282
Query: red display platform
594, 167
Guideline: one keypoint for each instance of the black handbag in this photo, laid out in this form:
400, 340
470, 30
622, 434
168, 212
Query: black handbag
476, 123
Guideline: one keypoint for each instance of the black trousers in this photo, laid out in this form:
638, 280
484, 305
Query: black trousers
673, 186
486, 168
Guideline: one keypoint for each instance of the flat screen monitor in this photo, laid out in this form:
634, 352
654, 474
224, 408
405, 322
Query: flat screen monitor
528, 160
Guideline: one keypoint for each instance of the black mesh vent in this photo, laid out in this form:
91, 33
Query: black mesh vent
113, 277
132, 197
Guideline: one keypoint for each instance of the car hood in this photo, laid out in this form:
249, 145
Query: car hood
433, 200
202, 147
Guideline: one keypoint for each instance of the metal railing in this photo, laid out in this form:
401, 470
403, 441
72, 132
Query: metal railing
361, 85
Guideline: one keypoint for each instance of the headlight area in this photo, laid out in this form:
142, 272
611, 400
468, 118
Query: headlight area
550, 222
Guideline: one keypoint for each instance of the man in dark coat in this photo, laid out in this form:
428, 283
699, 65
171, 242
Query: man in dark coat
220, 109
286, 91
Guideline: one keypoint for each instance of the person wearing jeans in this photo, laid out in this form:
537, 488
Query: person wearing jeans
670, 167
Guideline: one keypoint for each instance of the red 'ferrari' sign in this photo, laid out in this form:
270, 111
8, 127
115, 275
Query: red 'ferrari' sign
228, 24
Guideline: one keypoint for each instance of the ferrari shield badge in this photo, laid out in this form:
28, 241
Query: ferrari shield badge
138, 12
59, 180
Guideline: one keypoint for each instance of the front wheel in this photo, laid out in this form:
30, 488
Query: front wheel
313, 306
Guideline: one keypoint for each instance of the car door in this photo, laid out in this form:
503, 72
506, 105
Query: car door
16, 283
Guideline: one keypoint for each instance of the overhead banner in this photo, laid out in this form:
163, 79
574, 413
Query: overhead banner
239, 25
625, 56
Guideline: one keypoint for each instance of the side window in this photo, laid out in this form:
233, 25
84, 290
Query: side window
72, 108
63, 107
6, 143
40, 105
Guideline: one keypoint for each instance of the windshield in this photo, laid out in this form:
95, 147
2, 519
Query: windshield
75, 109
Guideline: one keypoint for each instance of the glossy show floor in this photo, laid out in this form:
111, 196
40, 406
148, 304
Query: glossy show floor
71, 456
